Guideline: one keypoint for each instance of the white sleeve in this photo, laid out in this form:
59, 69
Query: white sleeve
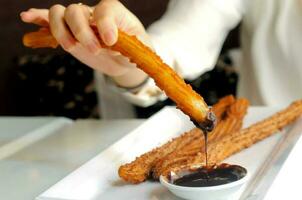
147, 96
192, 33
188, 38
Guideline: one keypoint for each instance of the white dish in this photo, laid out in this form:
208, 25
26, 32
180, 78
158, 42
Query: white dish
219, 192
98, 178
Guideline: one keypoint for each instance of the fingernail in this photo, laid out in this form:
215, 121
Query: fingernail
109, 38
22, 14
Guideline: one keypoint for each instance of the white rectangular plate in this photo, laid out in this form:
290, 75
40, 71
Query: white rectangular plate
98, 178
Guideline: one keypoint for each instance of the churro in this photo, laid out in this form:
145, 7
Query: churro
140, 169
186, 99
239, 140
232, 121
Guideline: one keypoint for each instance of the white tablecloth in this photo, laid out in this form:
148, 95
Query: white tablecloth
37, 152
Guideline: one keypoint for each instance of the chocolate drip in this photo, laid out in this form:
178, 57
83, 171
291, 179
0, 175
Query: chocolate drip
205, 134
207, 126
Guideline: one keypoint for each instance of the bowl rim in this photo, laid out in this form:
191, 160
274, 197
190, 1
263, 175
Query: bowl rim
164, 181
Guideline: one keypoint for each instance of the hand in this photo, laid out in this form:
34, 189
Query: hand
71, 28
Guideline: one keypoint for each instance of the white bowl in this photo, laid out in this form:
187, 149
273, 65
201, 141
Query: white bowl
219, 192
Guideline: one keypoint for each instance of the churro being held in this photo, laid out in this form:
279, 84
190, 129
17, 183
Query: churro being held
186, 99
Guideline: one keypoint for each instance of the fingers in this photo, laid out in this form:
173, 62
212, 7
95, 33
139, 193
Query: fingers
77, 18
35, 16
104, 17
59, 29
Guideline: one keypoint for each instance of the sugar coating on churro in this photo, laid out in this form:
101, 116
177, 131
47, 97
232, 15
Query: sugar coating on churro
239, 140
226, 140
140, 169
232, 121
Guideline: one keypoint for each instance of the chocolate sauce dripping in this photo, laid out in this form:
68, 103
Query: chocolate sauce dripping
205, 134
210, 175
206, 127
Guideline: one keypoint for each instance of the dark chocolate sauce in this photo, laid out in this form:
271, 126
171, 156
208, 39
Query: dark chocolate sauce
205, 134
211, 176
207, 126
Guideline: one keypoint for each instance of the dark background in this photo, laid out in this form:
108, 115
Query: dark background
12, 29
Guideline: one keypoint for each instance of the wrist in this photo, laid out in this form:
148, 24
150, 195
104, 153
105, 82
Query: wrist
131, 78
122, 83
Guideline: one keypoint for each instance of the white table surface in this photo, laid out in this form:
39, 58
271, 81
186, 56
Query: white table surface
37, 152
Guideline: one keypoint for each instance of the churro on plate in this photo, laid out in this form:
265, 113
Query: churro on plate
226, 139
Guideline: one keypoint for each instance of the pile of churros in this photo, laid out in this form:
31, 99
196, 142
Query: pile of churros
228, 138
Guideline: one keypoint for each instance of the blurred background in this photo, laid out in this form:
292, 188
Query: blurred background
50, 82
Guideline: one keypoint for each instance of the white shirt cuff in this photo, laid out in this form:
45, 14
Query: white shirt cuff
148, 95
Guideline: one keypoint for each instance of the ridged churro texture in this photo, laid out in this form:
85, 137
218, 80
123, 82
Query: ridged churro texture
232, 121
140, 169
239, 140
242, 139
226, 140
221, 106
186, 99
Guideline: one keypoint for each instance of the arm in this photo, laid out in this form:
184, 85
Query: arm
191, 33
